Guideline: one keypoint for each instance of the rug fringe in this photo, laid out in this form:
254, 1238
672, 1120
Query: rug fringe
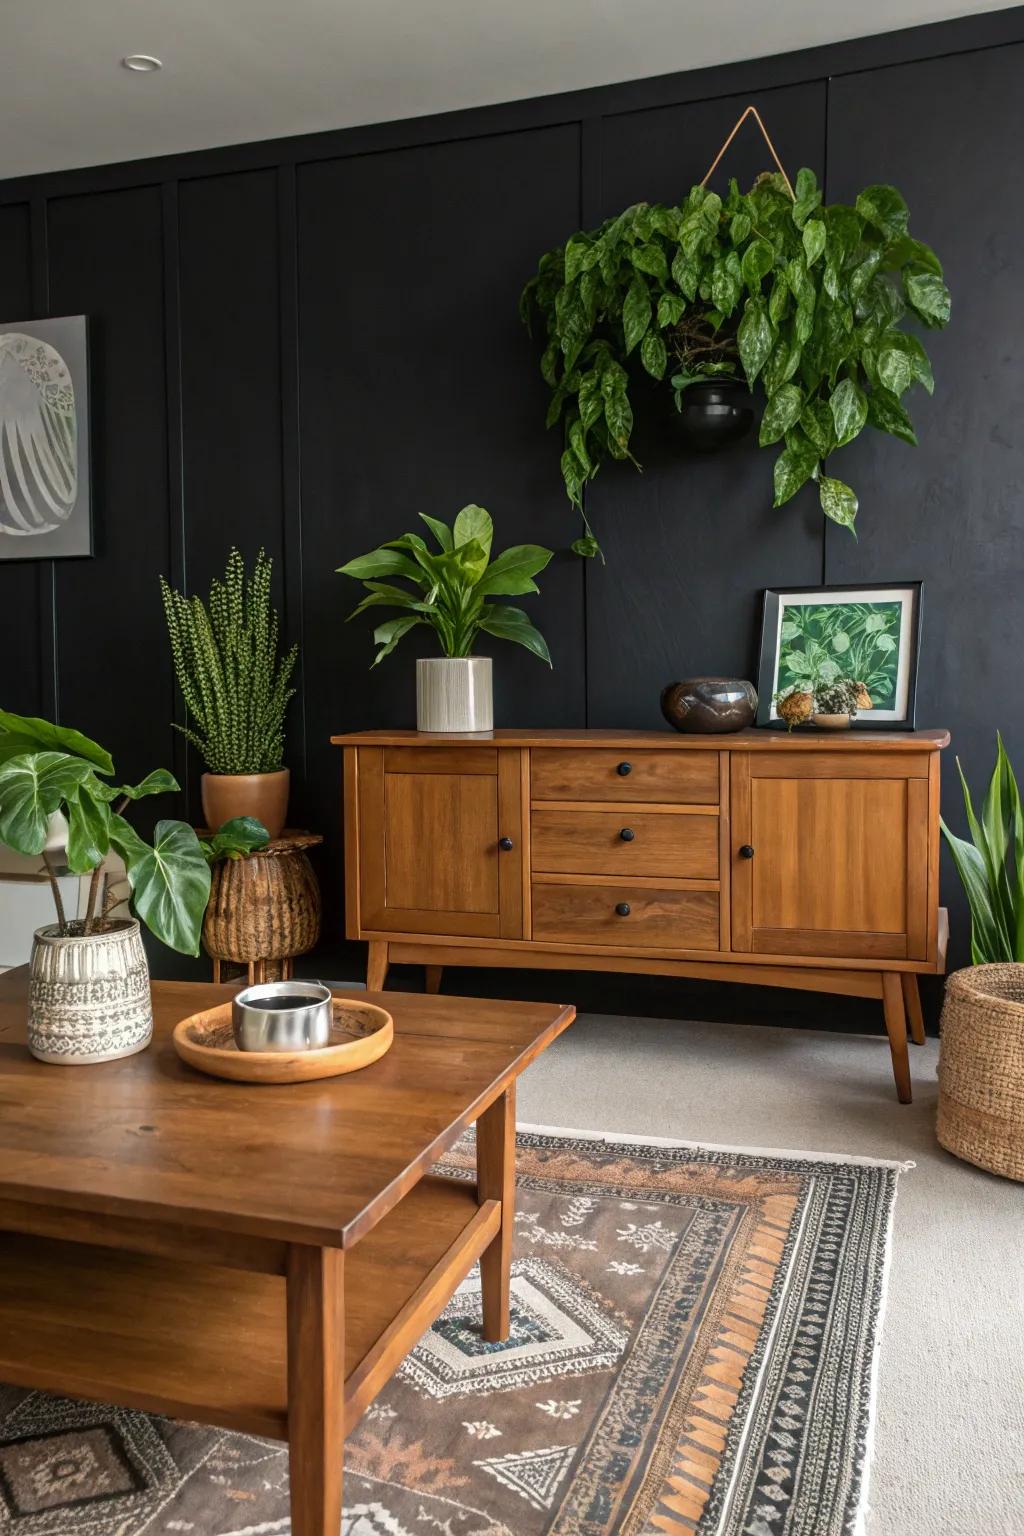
642, 1138
860, 1524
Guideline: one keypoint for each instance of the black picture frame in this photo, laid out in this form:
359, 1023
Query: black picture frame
775, 601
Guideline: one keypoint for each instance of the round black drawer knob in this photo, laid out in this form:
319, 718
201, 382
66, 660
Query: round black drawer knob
623, 908
624, 768
627, 834
505, 844
746, 852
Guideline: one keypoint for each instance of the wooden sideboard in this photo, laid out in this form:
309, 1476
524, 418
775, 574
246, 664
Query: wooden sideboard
802, 860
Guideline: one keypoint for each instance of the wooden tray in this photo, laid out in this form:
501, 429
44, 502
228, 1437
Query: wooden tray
360, 1034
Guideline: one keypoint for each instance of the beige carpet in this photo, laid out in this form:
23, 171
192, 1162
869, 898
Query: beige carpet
949, 1443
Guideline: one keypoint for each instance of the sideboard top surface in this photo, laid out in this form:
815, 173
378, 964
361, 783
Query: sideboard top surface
751, 740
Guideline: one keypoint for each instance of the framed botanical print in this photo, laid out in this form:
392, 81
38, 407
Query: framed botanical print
814, 637
45, 508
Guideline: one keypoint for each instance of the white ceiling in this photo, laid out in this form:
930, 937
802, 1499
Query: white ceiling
238, 70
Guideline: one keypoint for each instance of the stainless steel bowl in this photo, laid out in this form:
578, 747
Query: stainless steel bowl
282, 1016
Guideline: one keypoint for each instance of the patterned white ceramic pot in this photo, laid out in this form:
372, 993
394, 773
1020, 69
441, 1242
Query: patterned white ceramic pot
454, 693
88, 994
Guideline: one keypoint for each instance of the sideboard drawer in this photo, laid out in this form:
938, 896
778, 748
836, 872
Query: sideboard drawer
581, 773
626, 842
656, 918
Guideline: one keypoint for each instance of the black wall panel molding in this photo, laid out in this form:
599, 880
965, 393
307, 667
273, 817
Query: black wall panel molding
302, 343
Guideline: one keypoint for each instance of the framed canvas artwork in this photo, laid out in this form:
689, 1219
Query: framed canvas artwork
813, 635
45, 501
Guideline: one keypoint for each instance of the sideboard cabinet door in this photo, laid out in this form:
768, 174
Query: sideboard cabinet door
440, 840
831, 854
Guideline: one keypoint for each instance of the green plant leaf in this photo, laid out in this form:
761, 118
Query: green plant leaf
778, 299
816, 422
513, 624
726, 283
636, 313
838, 501
928, 296
473, 522
686, 274
27, 733
170, 881
442, 533
381, 562
670, 307
653, 355
511, 573
887, 414
755, 338
781, 413
32, 787
159, 782
813, 240
849, 410
587, 546
88, 817
808, 197
792, 469
756, 262
234, 839
650, 258
388, 635
895, 370
618, 414
884, 209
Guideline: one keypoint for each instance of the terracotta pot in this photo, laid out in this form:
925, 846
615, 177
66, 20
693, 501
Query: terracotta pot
88, 994
262, 795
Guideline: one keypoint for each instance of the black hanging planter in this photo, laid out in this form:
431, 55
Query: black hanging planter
715, 414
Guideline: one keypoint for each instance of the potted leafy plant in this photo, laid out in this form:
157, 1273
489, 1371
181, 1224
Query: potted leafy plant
828, 702
235, 688
89, 996
450, 592
771, 286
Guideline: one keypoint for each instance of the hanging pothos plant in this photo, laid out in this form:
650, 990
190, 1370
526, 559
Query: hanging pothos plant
809, 299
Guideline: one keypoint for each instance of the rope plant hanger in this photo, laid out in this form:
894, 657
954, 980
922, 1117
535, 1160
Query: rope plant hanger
816, 307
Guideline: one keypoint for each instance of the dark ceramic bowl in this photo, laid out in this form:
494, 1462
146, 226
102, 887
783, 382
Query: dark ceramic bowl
715, 413
709, 705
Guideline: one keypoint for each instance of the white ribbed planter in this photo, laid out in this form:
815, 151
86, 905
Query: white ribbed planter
454, 693
88, 995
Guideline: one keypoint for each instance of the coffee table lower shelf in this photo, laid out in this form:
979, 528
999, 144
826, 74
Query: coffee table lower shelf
208, 1343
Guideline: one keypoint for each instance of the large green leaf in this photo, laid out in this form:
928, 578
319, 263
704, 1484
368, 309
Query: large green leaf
32, 787
838, 501
636, 312
884, 208
781, 413
650, 258
792, 469
442, 533
849, 410
234, 839
887, 414
27, 733
814, 239
159, 782
382, 562
511, 573
653, 355
928, 296
755, 338
170, 881
474, 522
756, 262
88, 816
388, 635
513, 624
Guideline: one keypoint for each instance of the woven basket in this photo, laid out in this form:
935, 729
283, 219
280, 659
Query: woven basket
981, 1068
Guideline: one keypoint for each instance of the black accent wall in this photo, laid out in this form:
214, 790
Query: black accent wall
302, 343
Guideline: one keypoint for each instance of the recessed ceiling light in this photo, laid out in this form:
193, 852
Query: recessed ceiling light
142, 63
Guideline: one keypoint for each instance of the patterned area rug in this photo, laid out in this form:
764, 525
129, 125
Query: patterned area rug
692, 1351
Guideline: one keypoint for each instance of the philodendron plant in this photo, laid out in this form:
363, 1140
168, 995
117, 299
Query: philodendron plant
808, 300
48, 770
451, 590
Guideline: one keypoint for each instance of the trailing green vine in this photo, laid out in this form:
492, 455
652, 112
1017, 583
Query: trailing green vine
809, 300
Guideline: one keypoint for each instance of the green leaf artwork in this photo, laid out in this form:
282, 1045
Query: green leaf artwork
821, 642
812, 303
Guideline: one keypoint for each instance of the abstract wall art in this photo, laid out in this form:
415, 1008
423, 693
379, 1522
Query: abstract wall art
45, 501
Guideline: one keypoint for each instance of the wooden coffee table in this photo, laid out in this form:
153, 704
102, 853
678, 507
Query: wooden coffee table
260, 1258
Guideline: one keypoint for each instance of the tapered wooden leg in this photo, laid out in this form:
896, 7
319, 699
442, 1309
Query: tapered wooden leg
376, 965
912, 1003
896, 1026
216, 969
316, 1389
496, 1180
433, 977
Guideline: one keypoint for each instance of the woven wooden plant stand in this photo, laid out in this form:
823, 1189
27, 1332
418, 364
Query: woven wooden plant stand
264, 909
981, 1068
